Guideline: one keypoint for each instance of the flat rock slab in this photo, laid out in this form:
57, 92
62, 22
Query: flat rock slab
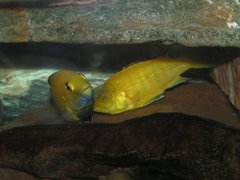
189, 22
157, 146
227, 76
201, 99
198, 99
8, 173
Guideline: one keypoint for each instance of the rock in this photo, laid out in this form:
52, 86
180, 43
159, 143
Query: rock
202, 23
200, 99
117, 174
6, 173
158, 146
190, 99
227, 76
35, 116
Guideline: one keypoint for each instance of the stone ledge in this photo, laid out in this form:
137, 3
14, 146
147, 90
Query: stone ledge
192, 23
160, 145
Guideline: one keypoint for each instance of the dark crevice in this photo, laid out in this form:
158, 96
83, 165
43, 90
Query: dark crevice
104, 57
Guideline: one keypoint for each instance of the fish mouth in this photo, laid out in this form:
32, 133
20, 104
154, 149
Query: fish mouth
88, 91
86, 96
83, 106
84, 114
85, 109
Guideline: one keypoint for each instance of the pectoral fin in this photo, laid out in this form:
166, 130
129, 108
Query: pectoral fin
180, 80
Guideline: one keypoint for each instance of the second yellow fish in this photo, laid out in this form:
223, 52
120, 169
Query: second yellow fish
72, 95
140, 84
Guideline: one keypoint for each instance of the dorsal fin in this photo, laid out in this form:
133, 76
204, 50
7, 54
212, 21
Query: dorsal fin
132, 63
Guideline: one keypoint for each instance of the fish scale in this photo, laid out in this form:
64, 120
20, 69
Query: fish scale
141, 83
142, 72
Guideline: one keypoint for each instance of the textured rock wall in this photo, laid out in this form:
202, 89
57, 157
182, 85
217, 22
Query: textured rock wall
227, 76
189, 22
162, 146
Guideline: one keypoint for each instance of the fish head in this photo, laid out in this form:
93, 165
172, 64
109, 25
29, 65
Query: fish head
111, 101
72, 94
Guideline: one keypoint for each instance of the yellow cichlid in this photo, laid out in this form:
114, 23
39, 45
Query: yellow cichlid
140, 84
72, 94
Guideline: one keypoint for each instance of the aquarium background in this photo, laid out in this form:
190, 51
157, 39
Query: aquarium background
192, 133
25, 67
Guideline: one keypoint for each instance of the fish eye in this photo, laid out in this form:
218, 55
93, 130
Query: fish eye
68, 86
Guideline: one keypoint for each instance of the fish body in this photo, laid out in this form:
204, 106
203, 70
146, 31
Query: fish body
140, 84
72, 94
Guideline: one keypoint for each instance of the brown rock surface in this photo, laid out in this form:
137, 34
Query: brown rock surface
44, 115
203, 100
160, 146
11, 174
227, 76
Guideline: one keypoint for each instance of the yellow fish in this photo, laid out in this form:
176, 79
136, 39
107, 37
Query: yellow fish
72, 94
140, 84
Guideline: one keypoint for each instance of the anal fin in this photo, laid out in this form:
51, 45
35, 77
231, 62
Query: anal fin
156, 98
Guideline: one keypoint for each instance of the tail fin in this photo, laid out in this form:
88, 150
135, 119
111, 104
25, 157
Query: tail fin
198, 73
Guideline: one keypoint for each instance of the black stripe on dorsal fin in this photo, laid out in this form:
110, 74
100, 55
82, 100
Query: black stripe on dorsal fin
142, 61
133, 63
